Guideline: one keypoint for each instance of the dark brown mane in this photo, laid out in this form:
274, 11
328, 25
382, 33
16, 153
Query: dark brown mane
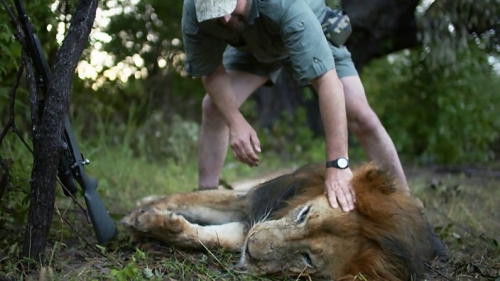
396, 238
271, 199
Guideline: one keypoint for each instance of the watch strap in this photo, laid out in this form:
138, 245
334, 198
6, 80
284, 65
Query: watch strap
335, 163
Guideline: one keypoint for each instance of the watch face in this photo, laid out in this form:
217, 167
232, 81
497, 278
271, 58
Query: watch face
342, 163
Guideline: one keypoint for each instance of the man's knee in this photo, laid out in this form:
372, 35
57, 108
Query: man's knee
364, 122
209, 109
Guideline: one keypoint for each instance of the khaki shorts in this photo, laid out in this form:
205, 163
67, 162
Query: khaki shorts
237, 60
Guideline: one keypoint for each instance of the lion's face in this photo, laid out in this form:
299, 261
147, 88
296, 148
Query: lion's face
311, 238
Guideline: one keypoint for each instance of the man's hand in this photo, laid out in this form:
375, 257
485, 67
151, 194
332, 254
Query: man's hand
339, 189
245, 143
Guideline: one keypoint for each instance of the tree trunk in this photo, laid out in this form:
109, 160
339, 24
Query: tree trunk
380, 27
47, 143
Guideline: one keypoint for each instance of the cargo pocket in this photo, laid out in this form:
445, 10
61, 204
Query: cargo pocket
295, 27
319, 66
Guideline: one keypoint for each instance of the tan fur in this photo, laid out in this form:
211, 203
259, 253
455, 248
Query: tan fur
287, 224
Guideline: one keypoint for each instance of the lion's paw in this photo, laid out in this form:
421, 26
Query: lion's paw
174, 223
155, 221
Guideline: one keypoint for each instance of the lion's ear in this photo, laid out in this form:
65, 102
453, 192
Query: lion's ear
373, 178
373, 186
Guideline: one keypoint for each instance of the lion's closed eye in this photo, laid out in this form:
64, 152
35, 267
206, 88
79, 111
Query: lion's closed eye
301, 217
307, 260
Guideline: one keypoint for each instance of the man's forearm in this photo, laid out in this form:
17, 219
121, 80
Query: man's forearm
219, 87
333, 114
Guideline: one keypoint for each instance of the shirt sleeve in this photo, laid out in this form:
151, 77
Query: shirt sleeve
302, 35
203, 52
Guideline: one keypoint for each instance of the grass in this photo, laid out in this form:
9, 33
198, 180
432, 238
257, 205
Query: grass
463, 209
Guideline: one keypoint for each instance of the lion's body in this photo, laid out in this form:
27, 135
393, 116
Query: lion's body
286, 224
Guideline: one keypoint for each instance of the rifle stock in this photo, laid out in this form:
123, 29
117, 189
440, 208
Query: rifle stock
103, 224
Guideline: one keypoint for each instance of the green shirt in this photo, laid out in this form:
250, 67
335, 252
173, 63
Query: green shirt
288, 31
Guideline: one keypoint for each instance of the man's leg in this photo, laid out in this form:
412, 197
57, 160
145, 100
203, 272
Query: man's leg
366, 126
214, 134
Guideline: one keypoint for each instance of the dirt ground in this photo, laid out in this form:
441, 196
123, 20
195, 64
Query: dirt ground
463, 205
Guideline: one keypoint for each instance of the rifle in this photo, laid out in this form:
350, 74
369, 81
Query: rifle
71, 165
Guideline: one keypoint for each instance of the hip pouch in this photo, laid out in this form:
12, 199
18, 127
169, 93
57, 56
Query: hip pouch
336, 26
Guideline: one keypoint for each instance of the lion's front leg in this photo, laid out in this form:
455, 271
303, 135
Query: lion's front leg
204, 207
174, 229
214, 218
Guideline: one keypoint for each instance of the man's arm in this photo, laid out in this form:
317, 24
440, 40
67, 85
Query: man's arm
333, 115
244, 140
312, 61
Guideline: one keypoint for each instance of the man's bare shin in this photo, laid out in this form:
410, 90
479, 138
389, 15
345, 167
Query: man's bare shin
212, 149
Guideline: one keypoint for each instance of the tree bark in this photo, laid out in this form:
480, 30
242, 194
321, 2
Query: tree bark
380, 27
47, 142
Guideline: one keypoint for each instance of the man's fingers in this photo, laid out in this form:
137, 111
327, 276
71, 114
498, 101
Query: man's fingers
341, 197
343, 200
250, 153
245, 154
332, 198
353, 195
349, 201
255, 143
239, 154
245, 145
236, 155
251, 150
340, 190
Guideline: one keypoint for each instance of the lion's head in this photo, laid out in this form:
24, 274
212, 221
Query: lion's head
384, 238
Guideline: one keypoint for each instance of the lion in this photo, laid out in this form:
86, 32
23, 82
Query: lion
287, 225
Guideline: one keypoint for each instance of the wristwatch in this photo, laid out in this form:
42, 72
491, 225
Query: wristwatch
339, 163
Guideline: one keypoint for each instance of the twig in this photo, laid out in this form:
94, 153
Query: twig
302, 273
75, 200
437, 271
10, 122
80, 236
212, 254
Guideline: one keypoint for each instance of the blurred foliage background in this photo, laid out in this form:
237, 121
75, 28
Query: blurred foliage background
433, 78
